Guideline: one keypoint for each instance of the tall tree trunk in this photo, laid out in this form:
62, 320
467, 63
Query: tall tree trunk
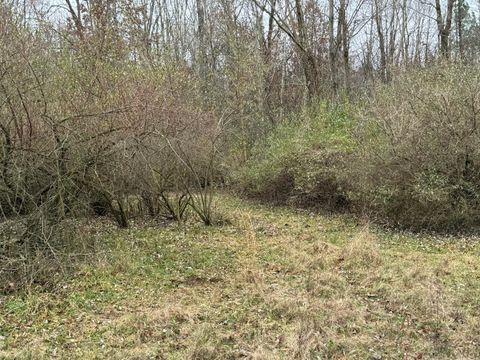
444, 27
391, 41
345, 43
201, 40
309, 62
381, 41
403, 57
332, 46
460, 14
267, 44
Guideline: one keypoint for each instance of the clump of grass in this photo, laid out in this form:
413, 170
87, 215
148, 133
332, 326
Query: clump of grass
362, 252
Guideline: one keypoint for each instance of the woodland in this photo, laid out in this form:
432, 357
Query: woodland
223, 179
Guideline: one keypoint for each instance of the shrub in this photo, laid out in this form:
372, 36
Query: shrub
81, 134
409, 157
418, 163
301, 161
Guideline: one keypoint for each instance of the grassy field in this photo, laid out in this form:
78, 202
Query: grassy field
271, 283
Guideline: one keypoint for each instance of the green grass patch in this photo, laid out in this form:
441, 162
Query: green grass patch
275, 283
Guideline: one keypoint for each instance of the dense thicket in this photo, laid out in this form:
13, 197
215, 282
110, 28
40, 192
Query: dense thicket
85, 135
418, 161
407, 157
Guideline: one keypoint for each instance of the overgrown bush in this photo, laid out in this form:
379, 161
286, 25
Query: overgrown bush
408, 157
302, 160
418, 163
84, 134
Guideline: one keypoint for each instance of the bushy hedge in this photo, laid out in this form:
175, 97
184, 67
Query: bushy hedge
418, 163
408, 157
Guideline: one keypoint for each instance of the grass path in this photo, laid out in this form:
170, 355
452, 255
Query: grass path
273, 283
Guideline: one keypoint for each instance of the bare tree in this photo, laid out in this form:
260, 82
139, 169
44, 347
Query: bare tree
444, 26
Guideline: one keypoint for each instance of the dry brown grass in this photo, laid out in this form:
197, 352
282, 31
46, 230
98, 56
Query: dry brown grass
275, 284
